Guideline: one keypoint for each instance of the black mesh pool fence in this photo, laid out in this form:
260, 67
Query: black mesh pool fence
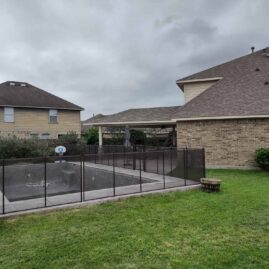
43, 182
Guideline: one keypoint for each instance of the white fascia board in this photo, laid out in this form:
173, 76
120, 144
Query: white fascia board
130, 123
222, 118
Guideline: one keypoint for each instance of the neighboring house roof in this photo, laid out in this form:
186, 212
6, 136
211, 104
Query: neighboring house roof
21, 94
154, 115
94, 119
241, 91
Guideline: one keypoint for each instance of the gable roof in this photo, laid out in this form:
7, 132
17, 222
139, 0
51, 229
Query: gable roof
241, 91
153, 115
94, 119
21, 94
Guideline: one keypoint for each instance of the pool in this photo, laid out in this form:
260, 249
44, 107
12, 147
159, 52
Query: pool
27, 181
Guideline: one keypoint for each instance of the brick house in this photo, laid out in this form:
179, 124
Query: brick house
226, 110
29, 112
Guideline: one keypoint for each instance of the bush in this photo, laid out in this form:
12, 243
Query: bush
69, 138
13, 147
91, 136
137, 137
262, 158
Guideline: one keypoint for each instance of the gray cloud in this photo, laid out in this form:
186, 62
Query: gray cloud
112, 55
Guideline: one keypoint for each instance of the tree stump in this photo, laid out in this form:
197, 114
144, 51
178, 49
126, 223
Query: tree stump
210, 184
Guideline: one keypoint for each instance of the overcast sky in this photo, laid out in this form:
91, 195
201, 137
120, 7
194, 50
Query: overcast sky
108, 56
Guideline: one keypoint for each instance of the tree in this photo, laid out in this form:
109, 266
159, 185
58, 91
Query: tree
69, 138
91, 136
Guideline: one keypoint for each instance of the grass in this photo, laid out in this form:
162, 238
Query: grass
176, 230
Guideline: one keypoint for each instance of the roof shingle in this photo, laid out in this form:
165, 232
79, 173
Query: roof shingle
21, 94
153, 114
242, 91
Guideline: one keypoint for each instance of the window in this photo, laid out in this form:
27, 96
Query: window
45, 136
9, 114
34, 136
53, 115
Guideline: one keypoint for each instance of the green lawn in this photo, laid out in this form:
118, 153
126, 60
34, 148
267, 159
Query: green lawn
175, 230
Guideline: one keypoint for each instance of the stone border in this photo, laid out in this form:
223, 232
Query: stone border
97, 201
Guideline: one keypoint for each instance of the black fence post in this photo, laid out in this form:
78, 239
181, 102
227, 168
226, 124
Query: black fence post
134, 160
3, 182
45, 180
157, 162
171, 164
163, 172
123, 157
114, 179
140, 176
204, 170
185, 165
81, 177
144, 159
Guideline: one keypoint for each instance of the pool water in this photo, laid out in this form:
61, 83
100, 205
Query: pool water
26, 181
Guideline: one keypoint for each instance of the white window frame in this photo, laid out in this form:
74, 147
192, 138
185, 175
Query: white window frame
53, 116
45, 136
9, 114
34, 136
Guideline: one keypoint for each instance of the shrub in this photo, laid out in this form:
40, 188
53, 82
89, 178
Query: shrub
69, 138
262, 158
13, 147
91, 136
137, 137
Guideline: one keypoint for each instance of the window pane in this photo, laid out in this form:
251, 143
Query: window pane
53, 119
34, 136
53, 115
9, 114
53, 112
45, 136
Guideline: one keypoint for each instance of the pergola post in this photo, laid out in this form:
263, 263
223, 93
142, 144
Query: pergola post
100, 131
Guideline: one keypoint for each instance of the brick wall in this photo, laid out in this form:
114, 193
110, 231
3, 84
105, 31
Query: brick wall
227, 143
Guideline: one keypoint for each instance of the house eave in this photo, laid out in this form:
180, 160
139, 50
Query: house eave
181, 83
39, 107
131, 123
222, 118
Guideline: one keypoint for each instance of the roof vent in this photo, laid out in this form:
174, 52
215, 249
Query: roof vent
266, 83
257, 69
252, 49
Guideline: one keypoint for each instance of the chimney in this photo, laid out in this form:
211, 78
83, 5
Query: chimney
252, 49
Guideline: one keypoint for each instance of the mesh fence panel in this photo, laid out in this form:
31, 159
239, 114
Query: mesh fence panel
195, 164
126, 183
34, 183
1, 188
24, 184
97, 180
63, 177
174, 168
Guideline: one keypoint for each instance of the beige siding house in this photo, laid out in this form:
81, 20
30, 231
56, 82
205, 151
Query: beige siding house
29, 112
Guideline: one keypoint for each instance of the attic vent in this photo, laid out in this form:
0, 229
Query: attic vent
12, 84
266, 83
257, 69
